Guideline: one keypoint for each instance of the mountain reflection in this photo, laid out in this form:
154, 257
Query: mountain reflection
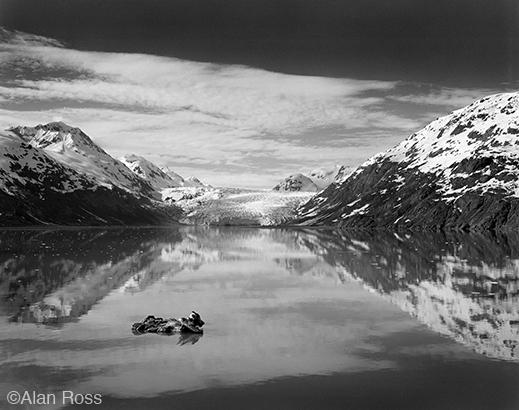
462, 286
55, 276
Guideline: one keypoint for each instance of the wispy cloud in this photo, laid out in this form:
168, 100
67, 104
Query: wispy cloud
209, 113
239, 98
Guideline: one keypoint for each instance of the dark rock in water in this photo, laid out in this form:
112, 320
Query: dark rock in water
152, 324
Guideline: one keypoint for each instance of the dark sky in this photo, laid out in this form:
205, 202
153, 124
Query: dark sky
447, 42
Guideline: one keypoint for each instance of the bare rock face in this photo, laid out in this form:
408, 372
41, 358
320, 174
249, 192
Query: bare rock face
460, 172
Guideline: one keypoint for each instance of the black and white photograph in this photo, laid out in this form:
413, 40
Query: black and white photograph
259, 204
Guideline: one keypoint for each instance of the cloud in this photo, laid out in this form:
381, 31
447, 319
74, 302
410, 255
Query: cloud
231, 96
209, 115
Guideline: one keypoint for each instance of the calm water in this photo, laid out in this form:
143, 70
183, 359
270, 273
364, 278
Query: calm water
295, 319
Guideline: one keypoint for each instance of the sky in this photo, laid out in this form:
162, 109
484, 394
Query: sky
244, 93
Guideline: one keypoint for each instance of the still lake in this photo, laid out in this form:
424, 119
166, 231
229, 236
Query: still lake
295, 319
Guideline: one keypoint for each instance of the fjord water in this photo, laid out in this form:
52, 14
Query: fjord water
295, 319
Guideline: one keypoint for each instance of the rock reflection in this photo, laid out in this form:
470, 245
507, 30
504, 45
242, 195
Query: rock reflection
188, 338
183, 338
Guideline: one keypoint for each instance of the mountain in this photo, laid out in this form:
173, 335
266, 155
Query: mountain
174, 176
183, 182
316, 180
194, 182
55, 174
459, 172
72, 147
322, 176
297, 182
151, 173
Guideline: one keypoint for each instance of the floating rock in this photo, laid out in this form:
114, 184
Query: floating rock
152, 324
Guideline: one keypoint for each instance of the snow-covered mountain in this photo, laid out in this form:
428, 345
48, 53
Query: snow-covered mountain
55, 174
316, 180
183, 182
150, 172
173, 176
459, 172
194, 182
322, 176
72, 147
296, 182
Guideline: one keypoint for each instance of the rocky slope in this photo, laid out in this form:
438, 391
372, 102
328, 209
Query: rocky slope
459, 172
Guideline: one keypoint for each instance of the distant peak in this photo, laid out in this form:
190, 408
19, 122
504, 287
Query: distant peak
57, 126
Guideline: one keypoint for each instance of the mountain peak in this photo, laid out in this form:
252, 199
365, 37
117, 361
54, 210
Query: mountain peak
297, 182
151, 173
56, 136
487, 126
316, 180
56, 126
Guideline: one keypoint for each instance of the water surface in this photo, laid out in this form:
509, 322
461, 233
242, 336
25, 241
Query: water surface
295, 319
